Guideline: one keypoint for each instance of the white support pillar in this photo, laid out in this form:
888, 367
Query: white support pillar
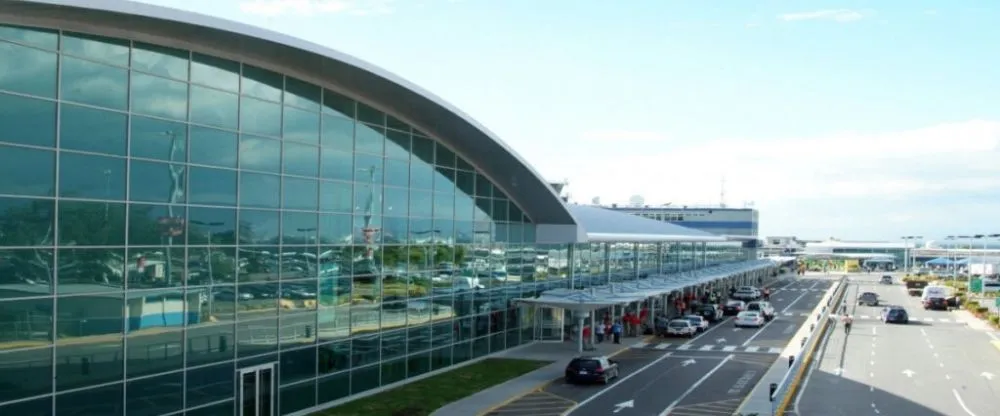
580, 321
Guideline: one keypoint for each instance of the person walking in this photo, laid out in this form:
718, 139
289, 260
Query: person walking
848, 320
599, 332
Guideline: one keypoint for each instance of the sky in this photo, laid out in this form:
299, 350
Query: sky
860, 120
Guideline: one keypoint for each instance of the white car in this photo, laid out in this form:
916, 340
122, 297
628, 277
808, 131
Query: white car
699, 322
749, 319
681, 328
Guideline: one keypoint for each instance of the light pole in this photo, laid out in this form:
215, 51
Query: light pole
906, 250
211, 275
952, 257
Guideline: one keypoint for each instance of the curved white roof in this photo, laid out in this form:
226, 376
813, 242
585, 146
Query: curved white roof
315, 63
858, 245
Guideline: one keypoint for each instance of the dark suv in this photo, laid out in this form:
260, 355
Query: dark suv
936, 304
591, 369
868, 299
895, 315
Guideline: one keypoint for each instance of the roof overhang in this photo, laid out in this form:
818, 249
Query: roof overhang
650, 238
310, 62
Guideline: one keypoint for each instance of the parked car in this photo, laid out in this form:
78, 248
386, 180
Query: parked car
764, 308
700, 323
895, 315
711, 313
868, 299
734, 307
746, 294
748, 319
589, 369
681, 328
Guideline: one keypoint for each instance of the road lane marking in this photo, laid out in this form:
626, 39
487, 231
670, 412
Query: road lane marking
618, 382
706, 348
962, 403
775, 350
729, 348
753, 349
662, 346
684, 347
696, 384
922, 332
761, 330
874, 333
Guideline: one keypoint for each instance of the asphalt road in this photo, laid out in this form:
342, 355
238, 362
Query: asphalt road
933, 366
707, 375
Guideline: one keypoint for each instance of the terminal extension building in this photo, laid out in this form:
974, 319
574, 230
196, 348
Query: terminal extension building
198, 217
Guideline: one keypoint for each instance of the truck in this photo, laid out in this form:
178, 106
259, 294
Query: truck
915, 287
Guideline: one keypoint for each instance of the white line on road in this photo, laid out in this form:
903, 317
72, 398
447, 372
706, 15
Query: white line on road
619, 381
874, 333
696, 384
707, 331
922, 332
754, 336
962, 403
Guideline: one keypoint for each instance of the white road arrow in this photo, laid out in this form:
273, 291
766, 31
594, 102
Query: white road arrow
909, 373
690, 361
720, 340
624, 405
989, 376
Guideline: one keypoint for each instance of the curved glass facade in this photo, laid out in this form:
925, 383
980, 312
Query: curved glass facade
169, 218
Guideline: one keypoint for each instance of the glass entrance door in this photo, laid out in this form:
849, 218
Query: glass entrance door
256, 391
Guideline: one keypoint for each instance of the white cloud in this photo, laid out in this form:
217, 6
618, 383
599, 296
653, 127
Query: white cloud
952, 157
272, 8
619, 136
836, 15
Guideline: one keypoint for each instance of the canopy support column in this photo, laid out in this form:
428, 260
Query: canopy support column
704, 254
580, 322
635, 261
659, 258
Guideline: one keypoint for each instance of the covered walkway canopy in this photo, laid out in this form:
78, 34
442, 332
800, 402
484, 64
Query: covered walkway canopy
598, 297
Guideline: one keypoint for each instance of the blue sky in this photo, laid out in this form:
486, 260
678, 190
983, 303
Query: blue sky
854, 119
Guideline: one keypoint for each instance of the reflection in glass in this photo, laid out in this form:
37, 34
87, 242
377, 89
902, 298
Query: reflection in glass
160, 97
91, 177
258, 153
161, 61
157, 139
261, 83
27, 70
302, 94
212, 186
25, 171
216, 72
92, 130
300, 159
213, 147
300, 125
96, 48
260, 190
260, 117
27, 121
157, 182
214, 108
92, 83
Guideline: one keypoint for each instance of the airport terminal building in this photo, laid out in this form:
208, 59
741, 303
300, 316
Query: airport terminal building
200, 217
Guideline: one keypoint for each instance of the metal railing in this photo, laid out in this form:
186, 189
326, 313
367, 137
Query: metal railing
788, 386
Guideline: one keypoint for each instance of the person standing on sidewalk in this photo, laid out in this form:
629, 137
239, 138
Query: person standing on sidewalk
599, 332
616, 332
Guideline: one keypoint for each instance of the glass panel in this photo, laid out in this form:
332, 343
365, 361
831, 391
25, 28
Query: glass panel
370, 115
260, 117
423, 149
28, 172
259, 190
369, 139
157, 96
301, 194
95, 84
337, 104
300, 125
266, 391
212, 186
91, 223
336, 196
27, 121
214, 108
92, 130
258, 227
160, 60
97, 48
157, 182
213, 147
261, 83
258, 153
92, 177
301, 159
444, 156
30, 36
27, 70
302, 94
397, 144
217, 72
155, 395
157, 139
248, 394
338, 132
335, 164
101, 401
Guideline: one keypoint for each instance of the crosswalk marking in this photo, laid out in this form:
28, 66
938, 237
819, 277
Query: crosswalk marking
752, 349
923, 319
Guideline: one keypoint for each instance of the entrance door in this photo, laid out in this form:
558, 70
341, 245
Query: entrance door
256, 391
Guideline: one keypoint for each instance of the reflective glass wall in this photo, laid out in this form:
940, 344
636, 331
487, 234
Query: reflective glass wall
168, 218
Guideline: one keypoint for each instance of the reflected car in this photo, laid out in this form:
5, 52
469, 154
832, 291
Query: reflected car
591, 369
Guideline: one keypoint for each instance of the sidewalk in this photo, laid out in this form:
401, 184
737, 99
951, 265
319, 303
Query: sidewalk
759, 399
559, 353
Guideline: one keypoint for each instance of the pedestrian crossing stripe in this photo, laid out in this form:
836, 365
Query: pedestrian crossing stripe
802, 290
708, 348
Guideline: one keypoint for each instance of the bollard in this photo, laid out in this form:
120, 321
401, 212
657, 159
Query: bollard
791, 360
774, 388
812, 327
85, 366
309, 331
804, 339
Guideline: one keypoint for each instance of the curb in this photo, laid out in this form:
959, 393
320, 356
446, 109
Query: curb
543, 385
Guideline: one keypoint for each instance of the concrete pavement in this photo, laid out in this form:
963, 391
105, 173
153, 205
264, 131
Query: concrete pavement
933, 366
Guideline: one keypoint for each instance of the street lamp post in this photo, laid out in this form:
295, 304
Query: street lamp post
952, 257
906, 250
211, 274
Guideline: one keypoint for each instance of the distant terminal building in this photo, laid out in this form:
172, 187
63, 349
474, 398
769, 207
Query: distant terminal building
894, 252
741, 222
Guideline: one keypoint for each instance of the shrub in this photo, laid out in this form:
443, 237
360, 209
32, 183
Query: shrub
982, 310
995, 320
